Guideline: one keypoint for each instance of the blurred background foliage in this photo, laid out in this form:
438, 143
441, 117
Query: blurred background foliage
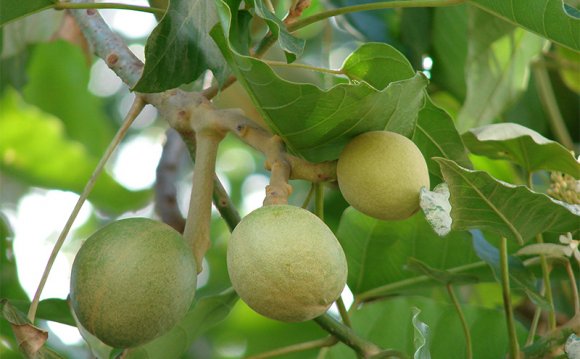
60, 106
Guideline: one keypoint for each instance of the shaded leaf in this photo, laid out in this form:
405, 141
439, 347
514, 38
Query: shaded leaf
204, 314
388, 323
59, 78
442, 276
291, 45
547, 18
523, 146
316, 123
377, 251
180, 49
570, 74
436, 136
14, 9
435, 204
480, 201
496, 67
422, 335
34, 148
520, 277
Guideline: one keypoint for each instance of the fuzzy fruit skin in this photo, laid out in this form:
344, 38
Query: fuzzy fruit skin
132, 281
380, 173
285, 263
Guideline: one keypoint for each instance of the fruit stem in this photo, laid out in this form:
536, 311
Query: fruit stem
457, 305
319, 201
296, 348
115, 6
134, 111
347, 336
197, 225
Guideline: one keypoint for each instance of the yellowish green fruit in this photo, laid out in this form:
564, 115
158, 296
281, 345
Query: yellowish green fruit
380, 173
285, 263
132, 281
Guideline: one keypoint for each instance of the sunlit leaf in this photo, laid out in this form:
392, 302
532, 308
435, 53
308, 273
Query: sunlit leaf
548, 18
14, 9
180, 49
496, 67
480, 201
388, 323
291, 45
34, 148
316, 123
523, 146
377, 251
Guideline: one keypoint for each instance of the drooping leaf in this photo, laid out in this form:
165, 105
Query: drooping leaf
548, 18
436, 136
14, 9
316, 123
58, 84
291, 45
388, 323
523, 146
496, 68
203, 315
479, 201
377, 251
435, 204
520, 277
179, 49
34, 148
422, 336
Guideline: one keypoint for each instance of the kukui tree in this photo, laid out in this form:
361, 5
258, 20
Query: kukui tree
422, 196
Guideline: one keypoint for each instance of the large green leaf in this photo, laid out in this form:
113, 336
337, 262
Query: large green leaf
59, 78
479, 201
34, 148
179, 50
389, 324
496, 67
316, 123
377, 251
204, 314
519, 144
547, 18
14, 9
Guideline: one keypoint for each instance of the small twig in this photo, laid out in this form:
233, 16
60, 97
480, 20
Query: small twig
296, 9
457, 305
308, 197
507, 302
343, 312
166, 204
278, 190
575, 296
347, 336
135, 110
61, 5
296, 348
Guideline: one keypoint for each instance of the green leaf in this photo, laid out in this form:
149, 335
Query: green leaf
204, 314
523, 146
34, 148
59, 78
497, 67
436, 136
547, 18
291, 45
316, 123
179, 49
377, 251
388, 324
14, 9
571, 73
520, 277
515, 212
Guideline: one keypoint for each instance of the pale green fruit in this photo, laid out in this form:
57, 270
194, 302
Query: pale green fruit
381, 173
285, 263
132, 281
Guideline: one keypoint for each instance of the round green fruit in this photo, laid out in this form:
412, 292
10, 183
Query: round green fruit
132, 281
381, 173
285, 263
